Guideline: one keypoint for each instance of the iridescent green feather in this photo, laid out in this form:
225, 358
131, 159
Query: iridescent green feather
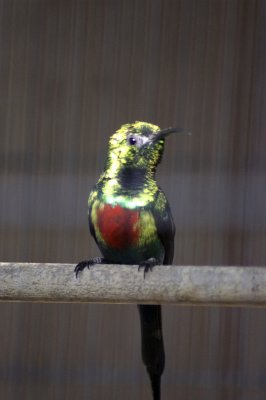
155, 217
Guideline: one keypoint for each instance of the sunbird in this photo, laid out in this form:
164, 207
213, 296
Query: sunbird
131, 222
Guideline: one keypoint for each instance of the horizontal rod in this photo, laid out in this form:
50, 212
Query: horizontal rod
197, 285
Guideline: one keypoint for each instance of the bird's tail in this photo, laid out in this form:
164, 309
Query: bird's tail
152, 346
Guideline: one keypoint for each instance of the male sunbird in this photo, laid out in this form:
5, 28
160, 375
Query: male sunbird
131, 222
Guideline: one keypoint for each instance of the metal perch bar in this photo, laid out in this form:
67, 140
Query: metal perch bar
197, 285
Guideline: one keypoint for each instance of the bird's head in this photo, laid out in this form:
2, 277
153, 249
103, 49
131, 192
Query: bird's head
139, 145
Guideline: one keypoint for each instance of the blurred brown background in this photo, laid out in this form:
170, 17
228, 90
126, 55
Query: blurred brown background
71, 72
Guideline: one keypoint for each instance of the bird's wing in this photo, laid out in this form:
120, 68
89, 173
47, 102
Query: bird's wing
90, 204
165, 226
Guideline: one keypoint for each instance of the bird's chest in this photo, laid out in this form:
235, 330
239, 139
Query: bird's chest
117, 227
125, 234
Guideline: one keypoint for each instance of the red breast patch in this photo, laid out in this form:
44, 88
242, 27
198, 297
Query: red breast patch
118, 226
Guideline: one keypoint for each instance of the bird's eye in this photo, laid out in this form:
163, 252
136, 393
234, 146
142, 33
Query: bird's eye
135, 140
132, 140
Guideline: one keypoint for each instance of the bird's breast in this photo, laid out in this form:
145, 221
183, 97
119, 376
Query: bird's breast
119, 227
125, 234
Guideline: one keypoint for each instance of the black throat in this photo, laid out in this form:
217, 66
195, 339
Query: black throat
131, 178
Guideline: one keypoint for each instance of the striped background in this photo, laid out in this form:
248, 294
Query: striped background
73, 71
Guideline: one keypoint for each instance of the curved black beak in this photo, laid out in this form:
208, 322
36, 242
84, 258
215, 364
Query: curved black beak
165, 132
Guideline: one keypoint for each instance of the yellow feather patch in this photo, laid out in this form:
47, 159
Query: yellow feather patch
147, 228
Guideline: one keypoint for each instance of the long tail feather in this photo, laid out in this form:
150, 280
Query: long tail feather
152, 346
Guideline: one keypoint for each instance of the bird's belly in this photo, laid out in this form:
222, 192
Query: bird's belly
125, 235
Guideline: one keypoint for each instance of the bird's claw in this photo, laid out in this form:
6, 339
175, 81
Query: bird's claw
81, 265
87, 264
147, 265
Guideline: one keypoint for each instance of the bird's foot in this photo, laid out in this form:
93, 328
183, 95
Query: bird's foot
147, 265
87, 264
